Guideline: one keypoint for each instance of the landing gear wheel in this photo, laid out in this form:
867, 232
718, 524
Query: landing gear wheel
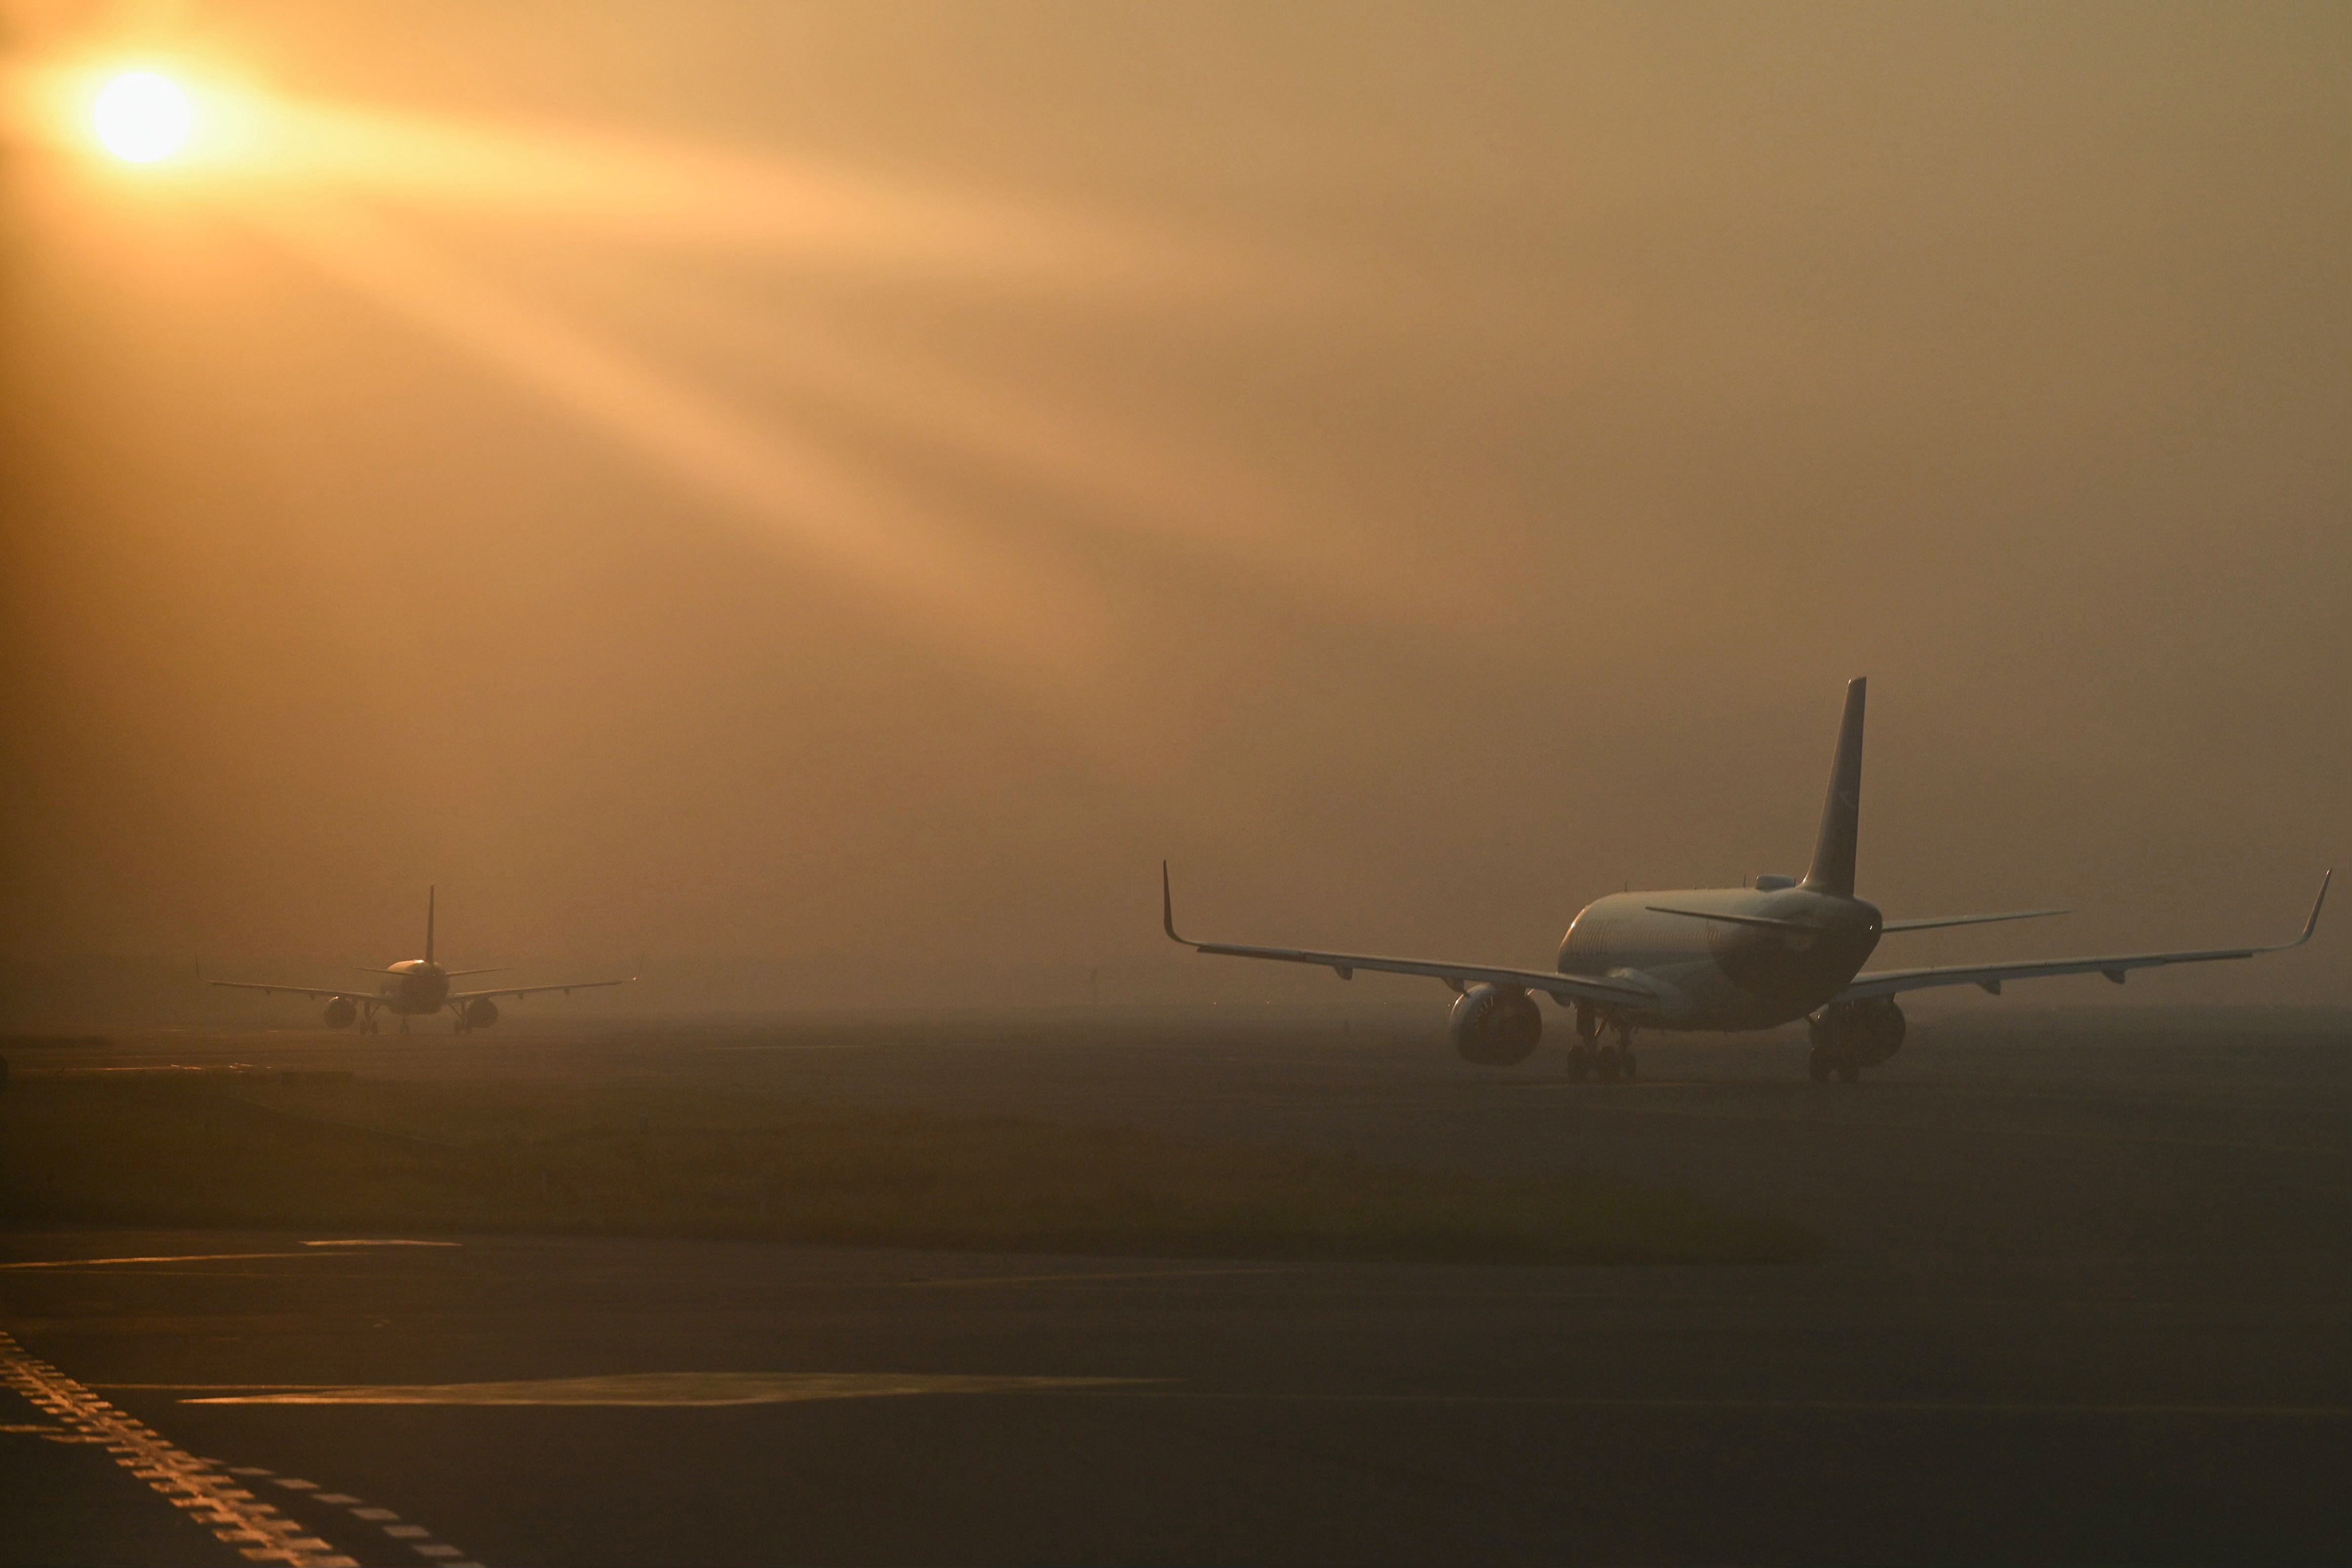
1849, 1070
1580, 1063
1610, 1063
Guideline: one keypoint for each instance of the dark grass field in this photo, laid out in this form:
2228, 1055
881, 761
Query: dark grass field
280, 1148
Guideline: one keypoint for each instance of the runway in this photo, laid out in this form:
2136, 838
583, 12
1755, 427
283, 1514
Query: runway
2089, 1303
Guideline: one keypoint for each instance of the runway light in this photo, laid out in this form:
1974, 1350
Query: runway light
141, 117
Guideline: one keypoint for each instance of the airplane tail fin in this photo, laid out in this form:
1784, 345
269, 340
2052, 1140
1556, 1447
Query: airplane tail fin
1832, 867
428, 925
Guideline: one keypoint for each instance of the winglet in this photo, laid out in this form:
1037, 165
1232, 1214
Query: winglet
1168, 906
2311, 925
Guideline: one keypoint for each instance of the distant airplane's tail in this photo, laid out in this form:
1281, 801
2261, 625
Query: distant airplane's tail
1833, 868
428, 913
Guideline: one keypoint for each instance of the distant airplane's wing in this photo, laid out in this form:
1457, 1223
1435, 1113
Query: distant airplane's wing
1888, 982
1939, 921
347, 995
533, 990
1562, 987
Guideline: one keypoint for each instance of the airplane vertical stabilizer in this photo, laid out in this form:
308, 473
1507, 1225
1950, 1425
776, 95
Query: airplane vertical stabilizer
1833, 868
428, 920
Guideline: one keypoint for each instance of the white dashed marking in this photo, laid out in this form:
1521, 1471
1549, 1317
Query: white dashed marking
201, 1487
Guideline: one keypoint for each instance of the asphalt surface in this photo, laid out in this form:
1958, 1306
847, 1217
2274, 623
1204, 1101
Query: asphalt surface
2089, 1299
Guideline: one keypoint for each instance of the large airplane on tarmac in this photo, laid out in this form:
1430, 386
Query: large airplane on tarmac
414, 988
1727, 959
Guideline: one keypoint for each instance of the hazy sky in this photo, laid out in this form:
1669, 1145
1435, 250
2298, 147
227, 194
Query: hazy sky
864, 483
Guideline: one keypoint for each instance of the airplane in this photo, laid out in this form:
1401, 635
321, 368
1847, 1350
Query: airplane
1726, 959
415, 988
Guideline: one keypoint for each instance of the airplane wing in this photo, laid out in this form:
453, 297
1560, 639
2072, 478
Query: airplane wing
2114, 966
1562, 988
533, 990
352, 995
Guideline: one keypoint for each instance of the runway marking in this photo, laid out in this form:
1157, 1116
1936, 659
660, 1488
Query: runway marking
1809, 1407
203, 1487
1130, 1274
191, 1387
258, 1532
383, 1241
671, 1389
187, 1257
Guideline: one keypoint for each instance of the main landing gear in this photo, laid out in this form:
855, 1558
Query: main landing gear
1823, 1062
1851, 1036
1608, 1062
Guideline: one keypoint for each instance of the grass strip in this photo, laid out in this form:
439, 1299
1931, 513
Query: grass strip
514, 1157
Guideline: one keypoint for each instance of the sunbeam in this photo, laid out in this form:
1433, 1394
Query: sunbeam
1195, 498
1044, 624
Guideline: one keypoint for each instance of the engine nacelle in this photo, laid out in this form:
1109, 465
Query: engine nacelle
481, 1013
1865, 1033
341, 1012
1496, 1026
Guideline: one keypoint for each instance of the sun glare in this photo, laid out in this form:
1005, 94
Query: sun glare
141, 117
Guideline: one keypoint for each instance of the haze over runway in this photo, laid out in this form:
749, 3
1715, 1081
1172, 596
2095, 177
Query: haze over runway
808, 503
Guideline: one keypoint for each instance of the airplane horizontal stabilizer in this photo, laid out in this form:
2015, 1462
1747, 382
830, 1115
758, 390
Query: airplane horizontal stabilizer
1765, 921
1937, 922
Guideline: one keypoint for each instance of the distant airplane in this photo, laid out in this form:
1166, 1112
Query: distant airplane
1726, 959
415, 988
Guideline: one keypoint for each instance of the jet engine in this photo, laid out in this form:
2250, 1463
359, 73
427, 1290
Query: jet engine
1495, 1026
341, 1012
481, 1013
1850, 1036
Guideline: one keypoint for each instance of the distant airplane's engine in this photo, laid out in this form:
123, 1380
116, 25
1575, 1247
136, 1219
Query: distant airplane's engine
1495, 1026
1863, 1033
481, 1013
341, 1012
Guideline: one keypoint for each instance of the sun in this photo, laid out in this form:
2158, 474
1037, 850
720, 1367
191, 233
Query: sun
141, 117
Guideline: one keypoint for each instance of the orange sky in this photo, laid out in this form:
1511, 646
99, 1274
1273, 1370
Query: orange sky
864, 484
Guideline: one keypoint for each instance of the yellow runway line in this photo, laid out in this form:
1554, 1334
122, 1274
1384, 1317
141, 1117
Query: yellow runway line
670, 1389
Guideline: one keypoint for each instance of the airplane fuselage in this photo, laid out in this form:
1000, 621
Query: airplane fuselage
415, 988
1722, 974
